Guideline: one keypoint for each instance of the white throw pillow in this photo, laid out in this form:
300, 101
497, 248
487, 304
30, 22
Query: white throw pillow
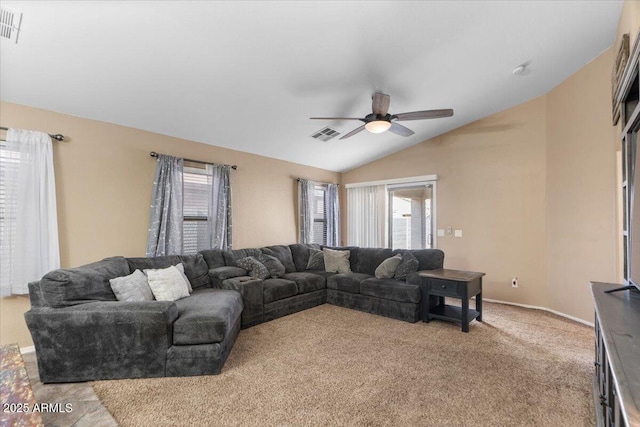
387, 268
336, 261
133, 287
180, 268
167, 284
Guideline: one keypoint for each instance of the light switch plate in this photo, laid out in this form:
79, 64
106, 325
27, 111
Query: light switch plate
458, 233
440, 232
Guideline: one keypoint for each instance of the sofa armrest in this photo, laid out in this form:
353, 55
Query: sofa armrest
102, 340
251, 290
220, 274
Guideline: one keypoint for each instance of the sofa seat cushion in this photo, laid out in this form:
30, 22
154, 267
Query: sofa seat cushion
347, 282
390, 289
322, 273
277, 289
307, 282
206, 317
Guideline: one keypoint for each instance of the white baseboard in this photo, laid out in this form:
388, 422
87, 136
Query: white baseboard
535, 307
26, 350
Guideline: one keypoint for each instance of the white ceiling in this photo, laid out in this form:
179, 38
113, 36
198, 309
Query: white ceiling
248, 75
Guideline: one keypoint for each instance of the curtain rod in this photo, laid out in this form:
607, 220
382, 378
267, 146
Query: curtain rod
154, 154
300, 179
57, 136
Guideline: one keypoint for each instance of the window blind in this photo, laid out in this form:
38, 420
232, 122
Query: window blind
195, 205
9, 164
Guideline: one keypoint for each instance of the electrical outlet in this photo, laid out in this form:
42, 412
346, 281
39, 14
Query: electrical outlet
514, 282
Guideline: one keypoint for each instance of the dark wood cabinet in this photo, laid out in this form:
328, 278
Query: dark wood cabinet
616, 383
463, 285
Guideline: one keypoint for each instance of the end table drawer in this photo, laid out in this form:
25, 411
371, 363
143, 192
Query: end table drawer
443, 287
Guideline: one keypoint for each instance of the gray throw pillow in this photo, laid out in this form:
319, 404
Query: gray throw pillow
387, 268
273, 264
316, 260
133, 287
336, 261
254, 267
408, 266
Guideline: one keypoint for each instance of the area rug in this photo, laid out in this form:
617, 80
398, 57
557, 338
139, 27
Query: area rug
335, 366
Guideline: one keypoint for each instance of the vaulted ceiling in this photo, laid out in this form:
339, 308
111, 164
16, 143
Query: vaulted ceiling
248, 75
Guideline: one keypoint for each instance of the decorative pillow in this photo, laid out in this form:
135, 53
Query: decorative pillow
336, 261
133, 287
167, 284
408, 266
274, 265
316, 260
387, 268
254, 267
180, 268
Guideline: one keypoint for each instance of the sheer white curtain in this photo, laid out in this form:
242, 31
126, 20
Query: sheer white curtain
366, 210
28, 219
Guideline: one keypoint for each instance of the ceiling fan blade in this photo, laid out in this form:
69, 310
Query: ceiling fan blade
420, 115
353, 132
335, 118
398, 129
380, 103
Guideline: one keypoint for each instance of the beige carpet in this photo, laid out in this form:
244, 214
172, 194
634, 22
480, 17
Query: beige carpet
334, 366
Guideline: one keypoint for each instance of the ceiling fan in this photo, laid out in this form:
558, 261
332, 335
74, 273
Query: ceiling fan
380, 120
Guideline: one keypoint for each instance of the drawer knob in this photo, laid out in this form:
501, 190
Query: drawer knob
444, 286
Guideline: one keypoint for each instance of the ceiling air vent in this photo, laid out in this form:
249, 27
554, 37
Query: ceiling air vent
10, 24
325, 134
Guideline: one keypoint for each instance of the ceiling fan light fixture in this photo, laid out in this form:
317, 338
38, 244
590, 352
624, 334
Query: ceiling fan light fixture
378, 126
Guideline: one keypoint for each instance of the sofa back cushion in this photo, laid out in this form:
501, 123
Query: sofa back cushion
195, 267
87, 283
283, 253
370, 258
429, 259
213, 257
300, 253
231, 257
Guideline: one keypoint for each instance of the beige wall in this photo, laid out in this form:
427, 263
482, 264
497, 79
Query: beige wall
534, 190
491, 184
104, 176
582, 183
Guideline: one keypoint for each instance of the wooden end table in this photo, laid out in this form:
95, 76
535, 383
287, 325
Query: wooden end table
441, 283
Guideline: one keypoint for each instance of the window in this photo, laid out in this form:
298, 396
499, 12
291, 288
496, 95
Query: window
319, 214
397, 213
195, 208
9, 164
410, 219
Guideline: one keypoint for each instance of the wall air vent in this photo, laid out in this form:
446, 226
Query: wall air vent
325, 134
10, 22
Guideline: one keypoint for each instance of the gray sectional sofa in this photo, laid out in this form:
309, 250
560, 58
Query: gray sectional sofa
81, 332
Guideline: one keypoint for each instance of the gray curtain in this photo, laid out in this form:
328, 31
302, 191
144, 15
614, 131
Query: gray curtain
219, 214
165, 218
305, 209
332, 207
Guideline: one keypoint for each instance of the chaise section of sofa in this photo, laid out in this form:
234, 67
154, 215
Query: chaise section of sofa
81, 332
